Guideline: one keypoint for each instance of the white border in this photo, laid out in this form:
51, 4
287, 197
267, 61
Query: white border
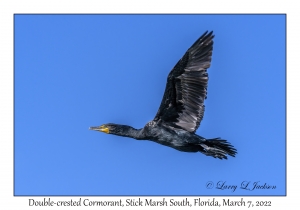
9, 8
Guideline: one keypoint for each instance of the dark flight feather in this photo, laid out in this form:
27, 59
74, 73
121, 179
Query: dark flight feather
183, 101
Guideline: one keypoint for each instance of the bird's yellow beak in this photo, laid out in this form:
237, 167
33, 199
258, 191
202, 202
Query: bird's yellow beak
101, 128
104, 129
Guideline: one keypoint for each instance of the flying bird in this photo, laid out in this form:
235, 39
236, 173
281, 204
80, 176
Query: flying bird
182, 107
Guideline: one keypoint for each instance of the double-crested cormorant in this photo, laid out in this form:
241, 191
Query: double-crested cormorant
182, 107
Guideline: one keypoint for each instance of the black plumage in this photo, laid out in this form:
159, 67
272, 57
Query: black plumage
182, 107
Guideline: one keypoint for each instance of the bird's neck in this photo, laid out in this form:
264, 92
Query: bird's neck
127, 131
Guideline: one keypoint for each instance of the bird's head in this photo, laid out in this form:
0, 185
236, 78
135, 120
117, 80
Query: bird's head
108, 128
105, 128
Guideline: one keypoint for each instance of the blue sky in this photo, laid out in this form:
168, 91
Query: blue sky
76, 71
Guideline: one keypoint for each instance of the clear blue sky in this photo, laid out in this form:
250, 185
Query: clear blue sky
76, 71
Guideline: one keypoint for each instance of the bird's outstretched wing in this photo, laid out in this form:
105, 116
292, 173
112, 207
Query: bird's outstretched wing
182, 105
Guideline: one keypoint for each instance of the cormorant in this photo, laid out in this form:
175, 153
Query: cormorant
182, 107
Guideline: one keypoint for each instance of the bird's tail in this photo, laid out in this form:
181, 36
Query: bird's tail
218, 148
